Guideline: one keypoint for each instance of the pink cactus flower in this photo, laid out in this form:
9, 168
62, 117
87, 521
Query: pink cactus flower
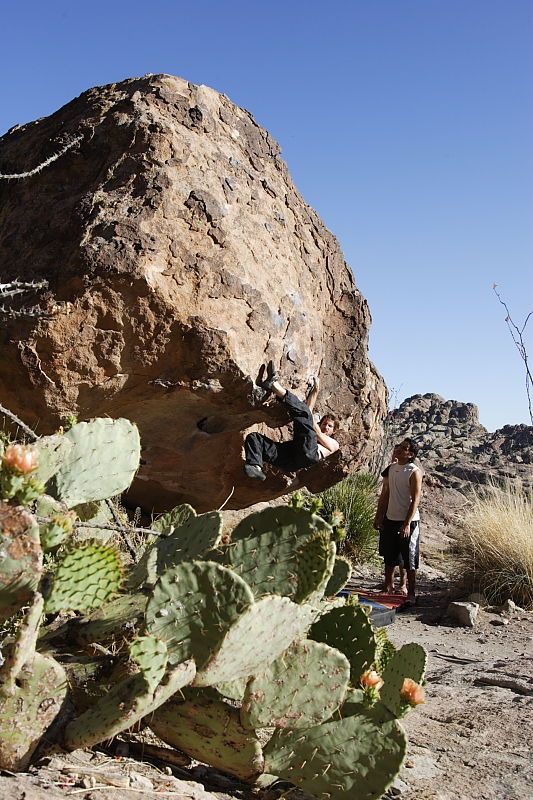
21, 457
371, 680
412, 692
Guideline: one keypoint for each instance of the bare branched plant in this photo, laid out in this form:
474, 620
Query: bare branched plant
381, 456
14, 291
517, 335
35, 171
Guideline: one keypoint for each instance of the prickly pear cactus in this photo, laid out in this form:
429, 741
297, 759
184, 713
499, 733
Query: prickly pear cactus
232, 690
164, 525
21, 558
111, 625
101, 463
316, 562
151, 656
278, 520
125, 705
227, 637
354, 700
52, 452
192, 607
278, 697
408, 662
59, 526
57, 531
210, 731
178, 516
188, 542
280, 622
32, 690
85, 578
339, 577
28, 713
18, 464
356, 757
385, 650
281, 550
22, 650
97, 512
349, 630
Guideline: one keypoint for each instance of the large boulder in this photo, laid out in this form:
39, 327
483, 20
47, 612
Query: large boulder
179, 257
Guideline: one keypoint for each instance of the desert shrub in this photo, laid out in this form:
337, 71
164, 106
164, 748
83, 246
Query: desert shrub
355, 497
495, 544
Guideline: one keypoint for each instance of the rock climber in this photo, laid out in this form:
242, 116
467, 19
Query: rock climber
310, 442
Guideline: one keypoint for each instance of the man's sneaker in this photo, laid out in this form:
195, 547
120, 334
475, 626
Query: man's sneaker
253, 471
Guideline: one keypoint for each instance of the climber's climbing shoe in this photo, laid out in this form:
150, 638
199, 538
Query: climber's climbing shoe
253, 471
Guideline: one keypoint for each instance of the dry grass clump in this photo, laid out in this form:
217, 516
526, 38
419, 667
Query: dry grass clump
495, 544
355, 497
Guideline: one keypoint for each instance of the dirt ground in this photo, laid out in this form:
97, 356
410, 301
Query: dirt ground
470, 741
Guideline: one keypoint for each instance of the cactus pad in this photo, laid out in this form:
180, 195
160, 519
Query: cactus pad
167, 523
260, 634
150, 654
384, 650
51, 533
123, 616
189, 541
101, 463
22, 649
52, 451
349, 630
328, 551
210, 731
276, 520
358, 756
21, 558
125, 705
408, 662
85, 578
339, 577
233, 690
164, 525
97, 512
354, 700
192, 607
281, 550
26, 714
301, 689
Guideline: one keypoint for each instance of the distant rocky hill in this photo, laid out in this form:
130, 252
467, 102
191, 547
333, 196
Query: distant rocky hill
457, 454
455, 449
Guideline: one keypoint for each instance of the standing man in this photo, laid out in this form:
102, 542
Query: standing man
398, 519
310, 442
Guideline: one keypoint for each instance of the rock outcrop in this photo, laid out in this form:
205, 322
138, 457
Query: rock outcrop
179, 257
455, 450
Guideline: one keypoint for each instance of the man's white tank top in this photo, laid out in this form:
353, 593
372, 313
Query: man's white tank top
400, 491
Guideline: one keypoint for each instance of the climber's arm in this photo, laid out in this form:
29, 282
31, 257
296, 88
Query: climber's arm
328, 442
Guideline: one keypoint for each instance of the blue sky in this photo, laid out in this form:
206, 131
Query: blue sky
407, 125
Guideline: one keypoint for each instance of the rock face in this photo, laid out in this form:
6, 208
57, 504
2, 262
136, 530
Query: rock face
455, 450
179, 257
